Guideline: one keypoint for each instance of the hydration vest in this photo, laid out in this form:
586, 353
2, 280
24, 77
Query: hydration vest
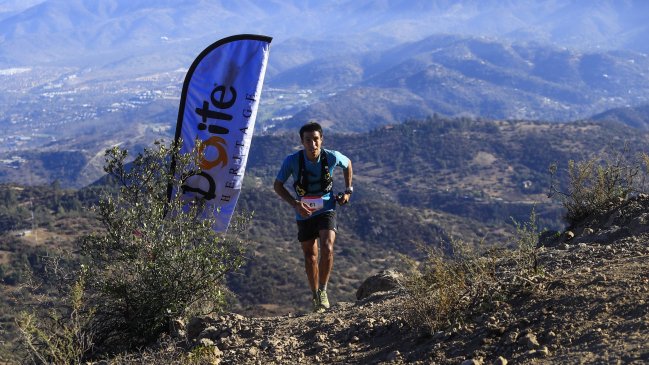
301, 184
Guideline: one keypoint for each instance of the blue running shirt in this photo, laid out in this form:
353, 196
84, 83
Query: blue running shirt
291, 166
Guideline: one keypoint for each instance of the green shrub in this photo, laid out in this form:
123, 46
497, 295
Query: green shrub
156, 259
152, 259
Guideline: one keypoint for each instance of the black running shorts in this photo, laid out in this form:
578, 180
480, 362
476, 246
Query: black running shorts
309, 229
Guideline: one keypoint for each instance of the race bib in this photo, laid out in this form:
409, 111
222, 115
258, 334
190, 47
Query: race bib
313, 202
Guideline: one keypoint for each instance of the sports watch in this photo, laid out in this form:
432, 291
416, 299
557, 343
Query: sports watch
349, 190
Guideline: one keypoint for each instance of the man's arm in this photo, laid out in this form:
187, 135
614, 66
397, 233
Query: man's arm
301, 207
348, 174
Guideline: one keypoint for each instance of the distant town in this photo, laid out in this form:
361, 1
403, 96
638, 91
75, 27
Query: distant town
41, 106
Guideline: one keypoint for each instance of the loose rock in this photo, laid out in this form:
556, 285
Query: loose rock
177, 328
476, 361
210, 332
530, 341
543, 351
392, 356
205, 342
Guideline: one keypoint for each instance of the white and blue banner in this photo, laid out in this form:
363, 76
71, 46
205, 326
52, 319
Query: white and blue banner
218, 107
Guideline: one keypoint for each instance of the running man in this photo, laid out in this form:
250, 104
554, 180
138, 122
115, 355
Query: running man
315, 205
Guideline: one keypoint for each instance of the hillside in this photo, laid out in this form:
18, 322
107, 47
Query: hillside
447, 166
462, 166
421, 182
588, 305
636, 117
441, 178
441, 159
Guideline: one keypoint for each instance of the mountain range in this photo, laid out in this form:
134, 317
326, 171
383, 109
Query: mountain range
453, 75
353, 65
637, 117
80, 32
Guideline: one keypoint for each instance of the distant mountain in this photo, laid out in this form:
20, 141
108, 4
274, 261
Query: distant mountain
84, 32
74, 72
453, 75
636, 117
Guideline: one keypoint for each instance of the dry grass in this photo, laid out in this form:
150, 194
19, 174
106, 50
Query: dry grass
5, 257
450, 287
445, 290
170, 352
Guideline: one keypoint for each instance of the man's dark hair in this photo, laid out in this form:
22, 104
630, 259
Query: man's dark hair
310, 127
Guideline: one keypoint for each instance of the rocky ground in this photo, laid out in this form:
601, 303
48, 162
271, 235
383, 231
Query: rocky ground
591, 306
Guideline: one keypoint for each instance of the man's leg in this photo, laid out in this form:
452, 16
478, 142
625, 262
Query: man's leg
327, 238
310, 249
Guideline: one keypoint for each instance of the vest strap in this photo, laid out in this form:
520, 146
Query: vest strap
301, 184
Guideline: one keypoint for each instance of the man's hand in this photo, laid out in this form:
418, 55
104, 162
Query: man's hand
303, 209
343, 199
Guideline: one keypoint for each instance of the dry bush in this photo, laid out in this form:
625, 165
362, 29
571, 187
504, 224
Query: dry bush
525, 253
447, 289
597, 183
59, 336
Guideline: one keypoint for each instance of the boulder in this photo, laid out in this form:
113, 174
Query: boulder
384, 281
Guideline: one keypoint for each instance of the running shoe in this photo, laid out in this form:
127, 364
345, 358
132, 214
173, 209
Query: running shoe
323, 299
317, 308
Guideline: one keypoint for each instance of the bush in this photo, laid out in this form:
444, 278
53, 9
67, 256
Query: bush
525, 254
449, 287
597, 183
60, 336
444, 290
152, 259
157, 259
169, 352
